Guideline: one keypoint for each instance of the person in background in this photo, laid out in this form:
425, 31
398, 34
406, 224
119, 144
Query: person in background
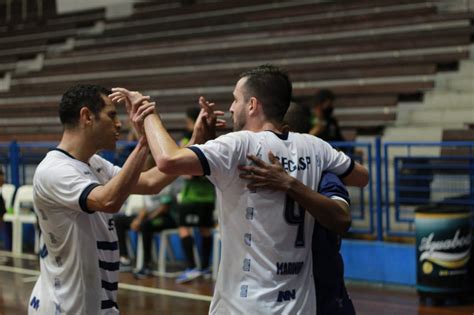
5, 228
155, 217
326, 126
328, 266
196, 209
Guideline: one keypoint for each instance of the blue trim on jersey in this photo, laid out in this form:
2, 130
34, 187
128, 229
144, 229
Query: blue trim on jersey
64, 152
107, 245
83, 198
43, 252
109, 266
106, 304
282, 136
331, 185
349, 169
68, 154
109, 286
202, 158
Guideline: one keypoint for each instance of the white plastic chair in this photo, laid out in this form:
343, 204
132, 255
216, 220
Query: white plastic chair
133, 205
21, 215
165, 250
216, 254
8, 190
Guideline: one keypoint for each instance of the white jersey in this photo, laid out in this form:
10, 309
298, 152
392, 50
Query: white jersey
79, 259
266, 262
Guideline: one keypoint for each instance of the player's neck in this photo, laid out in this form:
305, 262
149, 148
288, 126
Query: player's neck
264, 126
77, 146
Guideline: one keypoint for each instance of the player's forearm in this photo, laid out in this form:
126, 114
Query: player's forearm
159, 140
152, 182
331, 214
162, 146
169, 157
359, 177
111, 196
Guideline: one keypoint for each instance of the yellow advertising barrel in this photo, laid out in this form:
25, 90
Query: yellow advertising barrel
443, 253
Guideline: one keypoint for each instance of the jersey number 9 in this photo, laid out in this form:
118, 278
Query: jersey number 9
293, 217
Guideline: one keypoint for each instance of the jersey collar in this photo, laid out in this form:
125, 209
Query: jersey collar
282, 136
67, 153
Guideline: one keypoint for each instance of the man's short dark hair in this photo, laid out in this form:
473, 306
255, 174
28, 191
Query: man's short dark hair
192, 113
78, 96
272, 87
298, 118
323, 95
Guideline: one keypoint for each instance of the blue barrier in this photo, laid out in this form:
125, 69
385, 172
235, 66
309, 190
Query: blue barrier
418, 179
359, 202
395, 263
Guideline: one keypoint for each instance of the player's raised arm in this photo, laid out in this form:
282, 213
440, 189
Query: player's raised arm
169, 157
111, 196
206, 123
138, 107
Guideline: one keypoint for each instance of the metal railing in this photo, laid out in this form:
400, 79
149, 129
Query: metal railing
425, 174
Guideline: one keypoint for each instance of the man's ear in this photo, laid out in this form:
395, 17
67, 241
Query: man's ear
86, 116
254, 106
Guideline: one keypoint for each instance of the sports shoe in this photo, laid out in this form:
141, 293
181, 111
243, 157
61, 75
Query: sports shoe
188, 275
125, 264
206, 273
142, 273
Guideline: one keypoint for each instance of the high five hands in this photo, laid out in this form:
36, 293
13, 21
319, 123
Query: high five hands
139, 106
206, 122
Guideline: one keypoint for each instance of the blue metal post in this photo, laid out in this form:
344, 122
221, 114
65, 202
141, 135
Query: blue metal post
396, 187
471, 184
15, 163
371, 189
378, 186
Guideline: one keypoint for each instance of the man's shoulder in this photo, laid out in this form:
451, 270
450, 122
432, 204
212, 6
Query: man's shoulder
55, 166
305, 137
97, 159
237, 134
51, 162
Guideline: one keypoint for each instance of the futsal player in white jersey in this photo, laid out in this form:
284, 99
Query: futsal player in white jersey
75, 193
266, 238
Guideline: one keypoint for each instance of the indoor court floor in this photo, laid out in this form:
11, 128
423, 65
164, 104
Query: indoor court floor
160, 295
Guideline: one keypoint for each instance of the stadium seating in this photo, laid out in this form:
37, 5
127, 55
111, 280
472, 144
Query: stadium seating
371, 53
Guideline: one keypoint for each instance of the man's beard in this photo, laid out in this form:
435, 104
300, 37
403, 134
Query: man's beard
239, 122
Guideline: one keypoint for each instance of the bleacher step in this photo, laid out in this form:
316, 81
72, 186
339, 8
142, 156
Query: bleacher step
460, 84
413, 133
443, 117
448, 99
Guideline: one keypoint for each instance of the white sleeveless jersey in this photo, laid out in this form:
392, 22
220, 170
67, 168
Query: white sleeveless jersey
266, 262
79, 256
